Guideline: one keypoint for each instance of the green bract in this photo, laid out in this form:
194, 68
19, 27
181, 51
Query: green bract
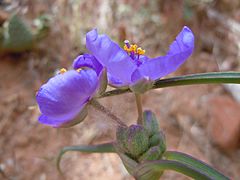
140, 143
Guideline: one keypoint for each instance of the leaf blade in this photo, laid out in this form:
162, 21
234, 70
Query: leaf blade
100, 148
192, 79
146, 170
195, 163
202, 78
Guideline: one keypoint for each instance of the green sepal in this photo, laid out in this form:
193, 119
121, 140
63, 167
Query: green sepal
138, 140
150, 122
122, 139
142, 86
103, 82
80, 117
158, 139
133, 140
153, 153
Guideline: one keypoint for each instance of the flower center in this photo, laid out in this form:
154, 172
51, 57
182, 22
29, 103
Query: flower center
133, 50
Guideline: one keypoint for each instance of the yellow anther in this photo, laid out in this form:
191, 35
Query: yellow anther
128, 49
140, 51
62, 71
134, 48
79, 69
125, 47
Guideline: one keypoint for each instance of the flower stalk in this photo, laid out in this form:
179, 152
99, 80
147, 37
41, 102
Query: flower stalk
106, 111
139, 108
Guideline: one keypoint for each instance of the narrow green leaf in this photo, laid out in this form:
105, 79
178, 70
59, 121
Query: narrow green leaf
100, 148
202, 78
144, 171
194, 163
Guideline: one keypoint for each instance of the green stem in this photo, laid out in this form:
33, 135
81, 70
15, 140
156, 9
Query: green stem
106, 111
139, 108
202, 78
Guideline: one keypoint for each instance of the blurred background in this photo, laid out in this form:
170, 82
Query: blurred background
39, 37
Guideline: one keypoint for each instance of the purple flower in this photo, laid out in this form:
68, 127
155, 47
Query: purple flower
128, 66
87, 61
65, 95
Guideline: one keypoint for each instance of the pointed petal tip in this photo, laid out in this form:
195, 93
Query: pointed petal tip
178, 53
92, 35
187, 28
188, 36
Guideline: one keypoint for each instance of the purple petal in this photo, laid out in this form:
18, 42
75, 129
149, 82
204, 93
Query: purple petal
64, 95
178, 53
115, 82
63, 119
143, 59
111, 56
87, 60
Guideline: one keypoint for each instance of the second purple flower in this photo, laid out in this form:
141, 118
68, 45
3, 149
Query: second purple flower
128, 66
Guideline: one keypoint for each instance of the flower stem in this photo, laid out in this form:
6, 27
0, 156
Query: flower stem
139, 108
106, 111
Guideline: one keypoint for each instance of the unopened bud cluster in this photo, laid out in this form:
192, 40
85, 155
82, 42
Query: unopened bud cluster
144, 142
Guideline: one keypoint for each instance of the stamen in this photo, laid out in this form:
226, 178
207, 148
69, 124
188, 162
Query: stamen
125, 47
62, 71
127, 43
140, 51
133, 50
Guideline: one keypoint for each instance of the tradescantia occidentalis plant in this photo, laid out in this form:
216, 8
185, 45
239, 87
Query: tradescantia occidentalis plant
63, 102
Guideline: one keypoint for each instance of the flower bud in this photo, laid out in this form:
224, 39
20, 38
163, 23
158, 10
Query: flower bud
152, 153
142, 85
158, 140
150, 122
138, 140
122, 139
